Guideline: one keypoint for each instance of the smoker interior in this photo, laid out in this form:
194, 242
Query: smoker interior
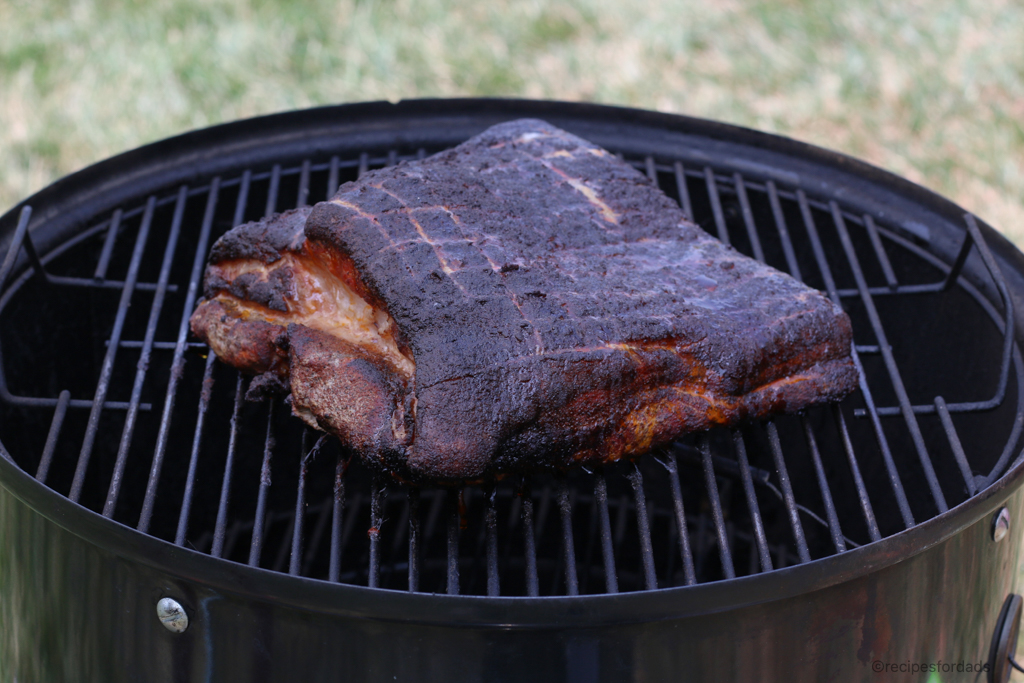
107, 399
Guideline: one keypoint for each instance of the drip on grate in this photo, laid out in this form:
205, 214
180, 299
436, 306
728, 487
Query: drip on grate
116, 407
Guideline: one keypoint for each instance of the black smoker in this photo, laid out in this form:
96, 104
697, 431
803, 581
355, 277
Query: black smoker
155, 526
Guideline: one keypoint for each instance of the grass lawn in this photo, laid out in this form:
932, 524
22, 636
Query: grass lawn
932, 90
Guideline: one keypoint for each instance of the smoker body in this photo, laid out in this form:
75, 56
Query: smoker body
874, 548
80, 597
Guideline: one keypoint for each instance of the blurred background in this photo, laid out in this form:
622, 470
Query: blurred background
933, 91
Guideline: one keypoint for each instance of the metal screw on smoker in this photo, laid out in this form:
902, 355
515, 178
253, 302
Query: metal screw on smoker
1001, 525
172, 615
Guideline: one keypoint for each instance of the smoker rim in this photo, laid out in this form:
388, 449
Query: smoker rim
77, 195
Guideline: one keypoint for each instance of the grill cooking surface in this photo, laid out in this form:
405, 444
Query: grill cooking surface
106, 399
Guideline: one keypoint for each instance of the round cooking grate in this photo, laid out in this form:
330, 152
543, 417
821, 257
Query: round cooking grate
106, 399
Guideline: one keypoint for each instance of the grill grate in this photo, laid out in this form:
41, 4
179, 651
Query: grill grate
167, 444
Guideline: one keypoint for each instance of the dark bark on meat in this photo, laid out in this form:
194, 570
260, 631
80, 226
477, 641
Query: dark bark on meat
558, 307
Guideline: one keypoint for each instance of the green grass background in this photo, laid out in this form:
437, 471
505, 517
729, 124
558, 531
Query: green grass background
930, 90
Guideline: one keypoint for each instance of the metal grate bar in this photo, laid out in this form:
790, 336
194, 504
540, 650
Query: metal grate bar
178, 362
529, 546
243, 198
106, 370
858, 480
51, 438
159, 345
37, 402
716, 205
142, 366
220, 526
337, 511
491, 521
193, 461
376, 521
958, 263
33, 258
780, 225
61, 281
725, 555
303, 198
883, 443
572, 586
652, 170
819, 251
748, 217
108, 246
883, 258
364, 165
295, 561
611, 580
826, 493
332, 177
787, 493
683, 190
414, 540
764, 555
19, 239
643, 528
454, 526
890, 362
900, 290
1008, 323
686, 555
954, 443
275, 187
971, 239
20, 232
259, 520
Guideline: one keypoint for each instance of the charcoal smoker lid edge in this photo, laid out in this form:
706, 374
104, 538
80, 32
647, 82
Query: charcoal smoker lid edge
194, 156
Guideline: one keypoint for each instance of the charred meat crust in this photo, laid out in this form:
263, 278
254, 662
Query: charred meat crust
558, 306
604, 424
253, 346
263, 240
595, 406
344, 390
